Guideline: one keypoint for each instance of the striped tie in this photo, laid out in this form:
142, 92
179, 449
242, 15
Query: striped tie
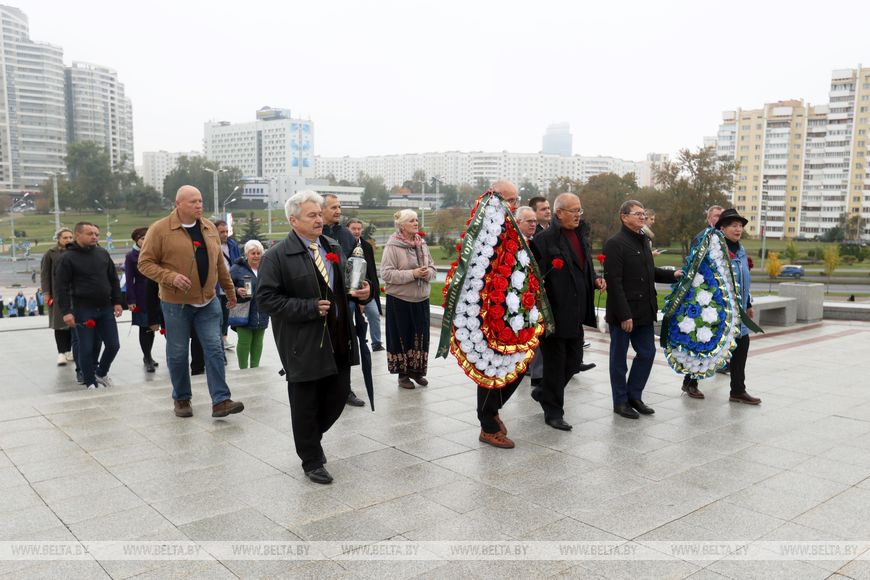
318, 261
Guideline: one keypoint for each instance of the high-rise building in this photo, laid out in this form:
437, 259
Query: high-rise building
99, 111
156, 165
32, 109
274, 145
458, 167
558, 140
802, 169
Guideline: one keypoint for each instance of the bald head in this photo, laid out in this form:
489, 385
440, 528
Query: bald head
188, 204
508, 191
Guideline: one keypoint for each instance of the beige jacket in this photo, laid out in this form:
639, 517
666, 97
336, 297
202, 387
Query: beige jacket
397, 263
168, 252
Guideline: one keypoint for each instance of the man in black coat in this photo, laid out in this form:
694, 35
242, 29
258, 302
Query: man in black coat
632, 308
301, 286
565, 257
332, 228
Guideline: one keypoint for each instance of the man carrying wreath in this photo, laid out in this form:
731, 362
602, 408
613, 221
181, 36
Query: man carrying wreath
494, 308
564, 252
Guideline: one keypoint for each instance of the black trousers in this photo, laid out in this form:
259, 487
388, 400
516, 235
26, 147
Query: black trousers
63, 340
560, 361
146, 341
490, 402
314, 407
738, 366
225, 321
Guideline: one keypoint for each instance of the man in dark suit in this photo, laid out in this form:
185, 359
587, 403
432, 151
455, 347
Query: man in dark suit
372, 308
565, 256
542, 212
632, 308
301, 286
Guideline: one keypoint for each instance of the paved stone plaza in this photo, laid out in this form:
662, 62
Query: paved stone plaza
117, 465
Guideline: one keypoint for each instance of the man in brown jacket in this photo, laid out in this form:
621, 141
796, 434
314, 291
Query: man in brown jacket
182, 253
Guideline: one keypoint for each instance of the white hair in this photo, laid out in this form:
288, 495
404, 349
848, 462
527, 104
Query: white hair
521, 210
251, 244
293, 207
402, 217
562, 200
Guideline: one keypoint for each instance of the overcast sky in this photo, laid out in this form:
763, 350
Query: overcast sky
380, 77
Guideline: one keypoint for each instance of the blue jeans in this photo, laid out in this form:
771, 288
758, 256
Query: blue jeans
106, 330
642, 339
179, 320
374, 318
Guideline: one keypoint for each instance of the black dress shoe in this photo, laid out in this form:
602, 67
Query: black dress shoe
626, 411
149, 365
319, 475
641, 407
583, 367
536, 394
536, 382
378, 347
354, 401
559, 424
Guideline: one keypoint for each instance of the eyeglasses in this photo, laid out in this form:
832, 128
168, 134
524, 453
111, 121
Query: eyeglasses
578, 211
637, 214
529, 221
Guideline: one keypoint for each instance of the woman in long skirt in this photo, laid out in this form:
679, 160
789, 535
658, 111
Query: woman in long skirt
407, 269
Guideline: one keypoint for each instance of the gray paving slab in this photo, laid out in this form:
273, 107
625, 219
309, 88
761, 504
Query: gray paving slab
116, 464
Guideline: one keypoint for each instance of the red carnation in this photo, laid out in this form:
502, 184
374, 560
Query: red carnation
458, 247
496, 311
533, 283
497, 324
332, 257
505, 270
162, 331
89, 323
509, 260
558, 263
731, 254
462, 236
50, 302
751, 263
511, 246
496, 297
382, 290
528, 300
135, 309
526, 335
506, 335
499, 283
421, 234
600, 258
197, 244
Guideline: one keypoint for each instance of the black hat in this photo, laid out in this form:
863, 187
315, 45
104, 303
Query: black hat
730, 215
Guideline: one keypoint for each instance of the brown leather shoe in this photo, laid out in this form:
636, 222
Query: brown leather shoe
405, 382
496, 440
745, 398
183, 409
420, 380
501, 426
228, 407
691, 389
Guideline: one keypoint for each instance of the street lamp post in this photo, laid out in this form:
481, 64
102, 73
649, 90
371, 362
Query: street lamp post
54, 177
423, 204
12, 221
228, 201
214, 175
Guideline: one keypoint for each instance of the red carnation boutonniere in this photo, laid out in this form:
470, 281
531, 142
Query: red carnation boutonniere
332, 257
197, 244
557, 263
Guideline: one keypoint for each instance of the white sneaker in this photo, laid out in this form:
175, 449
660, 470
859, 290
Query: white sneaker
104, 381
69, 356
91, 387
61, 360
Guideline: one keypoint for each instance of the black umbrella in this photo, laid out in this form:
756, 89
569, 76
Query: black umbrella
365, 354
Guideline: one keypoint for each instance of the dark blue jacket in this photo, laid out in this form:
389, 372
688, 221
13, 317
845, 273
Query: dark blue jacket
240, 269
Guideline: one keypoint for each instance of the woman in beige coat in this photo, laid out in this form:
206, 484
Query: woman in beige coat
407, 268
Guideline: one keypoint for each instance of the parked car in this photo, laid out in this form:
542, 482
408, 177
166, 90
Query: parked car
792, 271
